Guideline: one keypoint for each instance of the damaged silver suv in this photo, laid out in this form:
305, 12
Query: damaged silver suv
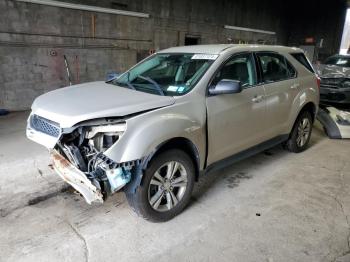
179, 113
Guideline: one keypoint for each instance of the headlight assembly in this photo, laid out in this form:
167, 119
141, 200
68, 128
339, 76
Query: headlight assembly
346, 83
103, 137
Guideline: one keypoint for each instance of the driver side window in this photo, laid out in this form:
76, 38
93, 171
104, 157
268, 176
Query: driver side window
241, 68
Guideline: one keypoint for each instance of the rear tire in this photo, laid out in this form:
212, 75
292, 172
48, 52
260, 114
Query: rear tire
300, 136
166, 187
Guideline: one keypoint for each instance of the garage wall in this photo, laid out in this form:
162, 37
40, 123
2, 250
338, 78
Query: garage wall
318, 20
35, 38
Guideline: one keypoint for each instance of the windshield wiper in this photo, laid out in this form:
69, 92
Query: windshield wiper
130, 85
154, 83
127, 83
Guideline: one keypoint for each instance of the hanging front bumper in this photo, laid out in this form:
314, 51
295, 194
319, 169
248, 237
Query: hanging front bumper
76, 178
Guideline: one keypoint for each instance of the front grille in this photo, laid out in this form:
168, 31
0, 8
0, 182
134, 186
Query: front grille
45, 126
331, 82
336, 97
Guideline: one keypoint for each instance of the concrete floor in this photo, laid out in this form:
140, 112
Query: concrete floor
275, 206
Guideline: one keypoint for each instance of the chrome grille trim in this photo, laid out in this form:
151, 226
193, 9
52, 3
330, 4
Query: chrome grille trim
331, 82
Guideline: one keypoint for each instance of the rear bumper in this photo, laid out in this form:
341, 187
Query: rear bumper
76, 178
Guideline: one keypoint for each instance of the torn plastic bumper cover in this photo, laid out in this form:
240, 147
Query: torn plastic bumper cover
335, 122
76, 178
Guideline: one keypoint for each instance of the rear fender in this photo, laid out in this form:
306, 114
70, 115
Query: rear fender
307, 95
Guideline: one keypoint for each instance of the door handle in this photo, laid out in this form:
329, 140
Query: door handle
257, 99
295, 86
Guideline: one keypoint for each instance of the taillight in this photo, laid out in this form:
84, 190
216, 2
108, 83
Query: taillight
318, 81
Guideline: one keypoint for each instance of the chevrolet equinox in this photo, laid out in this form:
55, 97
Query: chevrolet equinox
177, 114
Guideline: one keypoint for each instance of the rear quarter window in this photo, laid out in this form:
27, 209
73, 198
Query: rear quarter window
301, 58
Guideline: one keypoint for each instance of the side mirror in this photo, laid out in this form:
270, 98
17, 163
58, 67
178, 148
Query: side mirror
226, 86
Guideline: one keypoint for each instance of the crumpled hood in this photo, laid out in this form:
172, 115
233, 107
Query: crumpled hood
332, 71
71, 105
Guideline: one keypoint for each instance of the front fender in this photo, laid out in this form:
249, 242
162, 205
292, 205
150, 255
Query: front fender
144, 133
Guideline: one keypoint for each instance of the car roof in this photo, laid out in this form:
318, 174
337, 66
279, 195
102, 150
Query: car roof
220, 48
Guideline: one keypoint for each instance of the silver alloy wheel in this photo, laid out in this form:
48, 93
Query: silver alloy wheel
167, 186
303, 132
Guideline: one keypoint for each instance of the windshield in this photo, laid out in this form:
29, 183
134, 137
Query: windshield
338, 61
167, 74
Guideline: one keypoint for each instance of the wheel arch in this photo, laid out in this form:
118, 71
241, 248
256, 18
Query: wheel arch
181, 143
308, 106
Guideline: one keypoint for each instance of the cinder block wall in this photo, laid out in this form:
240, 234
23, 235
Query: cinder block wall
34, 38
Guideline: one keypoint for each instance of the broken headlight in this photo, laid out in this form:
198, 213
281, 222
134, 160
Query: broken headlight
346, 84
103, 137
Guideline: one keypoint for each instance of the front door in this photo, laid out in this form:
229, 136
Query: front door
236, 121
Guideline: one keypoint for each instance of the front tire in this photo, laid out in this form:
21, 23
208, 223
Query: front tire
166, 187
300, 136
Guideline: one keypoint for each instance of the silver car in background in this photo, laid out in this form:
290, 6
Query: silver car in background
179, 113
335, 80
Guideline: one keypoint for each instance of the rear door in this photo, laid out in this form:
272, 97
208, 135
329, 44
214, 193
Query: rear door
281, 88
236, 121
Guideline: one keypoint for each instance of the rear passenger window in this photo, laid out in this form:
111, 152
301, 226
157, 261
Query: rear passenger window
275, 67
301, 58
